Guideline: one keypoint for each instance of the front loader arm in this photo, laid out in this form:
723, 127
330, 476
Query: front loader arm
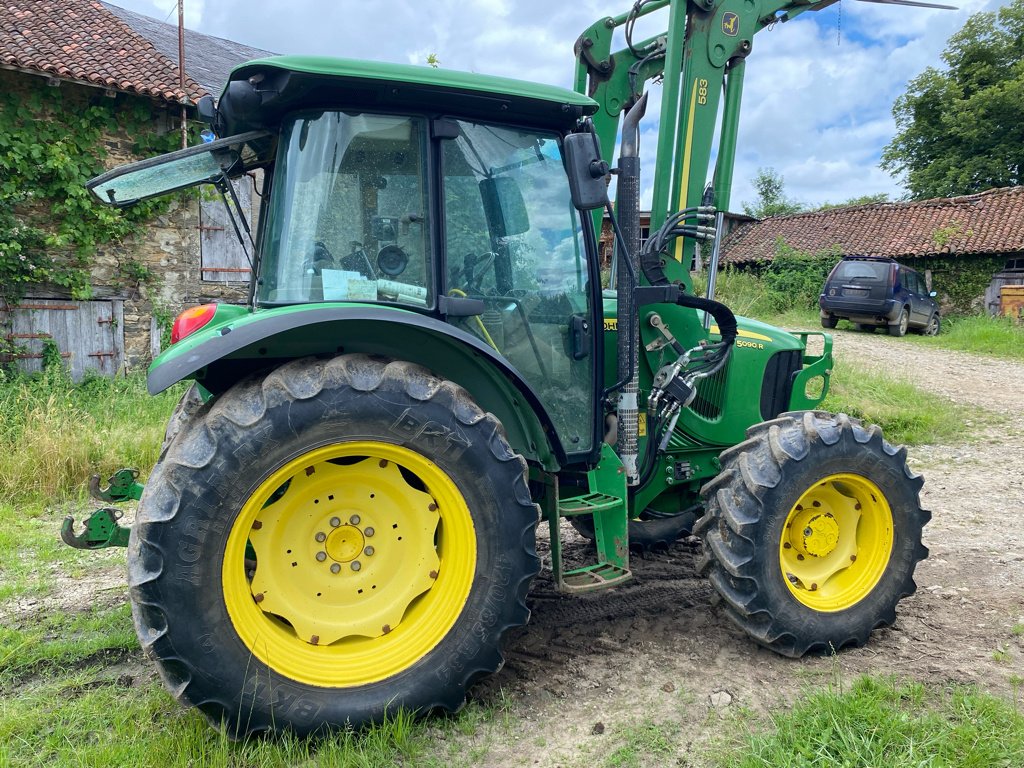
700, 56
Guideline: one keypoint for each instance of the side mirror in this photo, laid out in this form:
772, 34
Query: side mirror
207, 109
933, 294
504, 207
586, 171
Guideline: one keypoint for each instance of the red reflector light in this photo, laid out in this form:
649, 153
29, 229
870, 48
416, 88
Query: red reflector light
191, 320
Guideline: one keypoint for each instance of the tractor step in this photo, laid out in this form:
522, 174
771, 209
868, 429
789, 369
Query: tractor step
606, 501
588, 504
592, 578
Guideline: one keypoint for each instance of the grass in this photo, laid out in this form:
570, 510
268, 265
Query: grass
976, 334
980, 335
882, 721
906, 414
54, 434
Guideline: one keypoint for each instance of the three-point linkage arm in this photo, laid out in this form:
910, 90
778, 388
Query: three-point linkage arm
700, 57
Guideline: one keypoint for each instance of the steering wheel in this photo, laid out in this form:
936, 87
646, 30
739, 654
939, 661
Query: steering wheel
320, 258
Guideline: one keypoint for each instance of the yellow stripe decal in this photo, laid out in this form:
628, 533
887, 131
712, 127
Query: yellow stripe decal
744, 334
684, 182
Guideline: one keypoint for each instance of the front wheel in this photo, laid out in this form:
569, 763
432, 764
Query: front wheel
329, 544
934, 325
812, 532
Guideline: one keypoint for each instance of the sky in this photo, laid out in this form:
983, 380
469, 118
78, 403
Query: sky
818, 96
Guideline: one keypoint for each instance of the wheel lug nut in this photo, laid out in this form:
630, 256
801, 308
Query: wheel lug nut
335, 568
321, 556
808, 531
335, 522
356, 565
368, 551
321, 536
354, 519
368, 532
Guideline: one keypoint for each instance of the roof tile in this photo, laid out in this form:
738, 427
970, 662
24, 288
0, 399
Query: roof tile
987, 223
47, 36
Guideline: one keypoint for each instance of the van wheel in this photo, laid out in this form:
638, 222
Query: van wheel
899, 328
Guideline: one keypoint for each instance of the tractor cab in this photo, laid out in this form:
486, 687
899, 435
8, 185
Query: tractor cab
442, 194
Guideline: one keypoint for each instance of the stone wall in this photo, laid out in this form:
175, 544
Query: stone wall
169, 246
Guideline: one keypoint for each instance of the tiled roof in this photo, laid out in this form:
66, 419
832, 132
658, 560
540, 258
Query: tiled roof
83, 41
208, 59
988, 223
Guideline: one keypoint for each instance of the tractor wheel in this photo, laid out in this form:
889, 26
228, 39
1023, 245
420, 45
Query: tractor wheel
189, 405
329, 544
899, 328
812, 532
645, 533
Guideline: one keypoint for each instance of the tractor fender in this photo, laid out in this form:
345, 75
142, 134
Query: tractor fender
242, 343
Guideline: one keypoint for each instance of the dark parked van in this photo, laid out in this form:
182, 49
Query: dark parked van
877, 293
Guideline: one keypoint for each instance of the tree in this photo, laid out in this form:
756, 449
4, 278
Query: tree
961, 130
879, 197
771, 196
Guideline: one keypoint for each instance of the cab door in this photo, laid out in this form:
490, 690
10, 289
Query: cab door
513, 239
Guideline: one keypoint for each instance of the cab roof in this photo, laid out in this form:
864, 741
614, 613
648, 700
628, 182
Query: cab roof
288, 83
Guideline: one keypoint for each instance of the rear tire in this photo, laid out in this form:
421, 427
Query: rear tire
899, 328
812, 532
329, 544
829, 322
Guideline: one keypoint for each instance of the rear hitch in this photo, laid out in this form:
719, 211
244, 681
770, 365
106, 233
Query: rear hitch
101, 531
121, 486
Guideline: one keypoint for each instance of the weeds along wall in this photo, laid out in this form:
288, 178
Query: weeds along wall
793, 279
56, 242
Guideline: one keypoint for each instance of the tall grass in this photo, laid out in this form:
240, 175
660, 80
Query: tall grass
979, 334
54, 434
883, 722
906, 414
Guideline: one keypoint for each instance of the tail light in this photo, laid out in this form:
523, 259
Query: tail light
191, 320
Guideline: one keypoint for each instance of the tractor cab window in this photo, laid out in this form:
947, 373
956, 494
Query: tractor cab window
514, 240
348, 212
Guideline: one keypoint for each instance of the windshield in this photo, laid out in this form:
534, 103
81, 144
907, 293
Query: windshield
348, 212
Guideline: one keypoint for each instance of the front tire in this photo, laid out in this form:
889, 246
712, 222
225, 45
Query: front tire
332, 543
812, 532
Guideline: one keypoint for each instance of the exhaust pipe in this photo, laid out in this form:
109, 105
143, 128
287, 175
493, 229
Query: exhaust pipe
628, 323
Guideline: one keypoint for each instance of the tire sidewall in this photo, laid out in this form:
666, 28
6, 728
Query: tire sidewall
224, 676
843, 458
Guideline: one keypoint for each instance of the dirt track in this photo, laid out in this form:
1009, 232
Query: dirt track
659, 648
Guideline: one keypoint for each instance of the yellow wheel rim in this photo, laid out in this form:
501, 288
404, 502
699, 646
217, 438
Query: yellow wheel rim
836, 543
349, 564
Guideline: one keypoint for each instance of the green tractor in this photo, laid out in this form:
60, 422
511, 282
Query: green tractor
342, 521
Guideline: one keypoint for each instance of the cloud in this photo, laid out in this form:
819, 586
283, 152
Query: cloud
819, 89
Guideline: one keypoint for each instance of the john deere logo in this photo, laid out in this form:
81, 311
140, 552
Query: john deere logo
730, 24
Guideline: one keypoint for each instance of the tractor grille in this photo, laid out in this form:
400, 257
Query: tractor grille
778, 382
710, 393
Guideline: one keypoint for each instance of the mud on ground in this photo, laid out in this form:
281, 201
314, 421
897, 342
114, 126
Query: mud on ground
659, 647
